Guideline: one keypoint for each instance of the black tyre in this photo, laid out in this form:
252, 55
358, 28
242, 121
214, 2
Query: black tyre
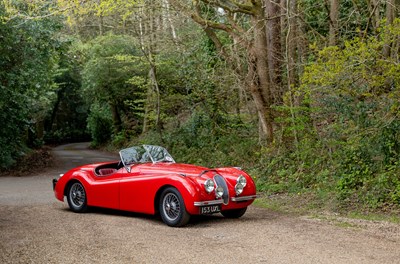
236, 213
76, 197
172, 208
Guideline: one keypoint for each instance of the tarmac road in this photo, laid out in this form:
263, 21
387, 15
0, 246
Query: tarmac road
36, 228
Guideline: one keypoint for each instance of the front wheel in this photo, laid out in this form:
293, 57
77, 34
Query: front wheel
76, 197
172, 208
235, 213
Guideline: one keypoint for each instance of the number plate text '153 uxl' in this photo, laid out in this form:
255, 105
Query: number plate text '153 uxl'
210, 209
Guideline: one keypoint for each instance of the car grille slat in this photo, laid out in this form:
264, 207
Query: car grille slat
220, 181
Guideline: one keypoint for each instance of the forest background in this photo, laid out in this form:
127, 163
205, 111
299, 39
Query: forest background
302, 94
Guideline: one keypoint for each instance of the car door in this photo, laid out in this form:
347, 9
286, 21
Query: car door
137, 191
105, 190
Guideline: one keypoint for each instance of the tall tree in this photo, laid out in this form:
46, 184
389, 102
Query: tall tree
257, 78
291, 42
28, 58
111, 61
274, 36
390, 15
374, 9
333, 22
291, 47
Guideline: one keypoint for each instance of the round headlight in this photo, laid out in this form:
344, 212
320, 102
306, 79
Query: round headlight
209, 185
239, 188
219, 191
242, 180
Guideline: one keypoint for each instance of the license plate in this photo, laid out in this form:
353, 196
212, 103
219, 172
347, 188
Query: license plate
210, 209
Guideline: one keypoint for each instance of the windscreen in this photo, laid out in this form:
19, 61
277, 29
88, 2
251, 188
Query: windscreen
144, 154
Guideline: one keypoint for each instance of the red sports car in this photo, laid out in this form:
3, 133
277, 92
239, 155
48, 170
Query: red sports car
147, 180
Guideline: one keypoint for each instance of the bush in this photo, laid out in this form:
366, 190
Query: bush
355, 92
100, 124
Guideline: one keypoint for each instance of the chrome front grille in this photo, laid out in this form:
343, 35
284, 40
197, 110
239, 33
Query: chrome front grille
220, 181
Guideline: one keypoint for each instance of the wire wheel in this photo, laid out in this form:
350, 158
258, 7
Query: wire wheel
77, 197
172, 208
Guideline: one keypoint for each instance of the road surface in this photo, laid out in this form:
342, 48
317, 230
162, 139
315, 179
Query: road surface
36, 228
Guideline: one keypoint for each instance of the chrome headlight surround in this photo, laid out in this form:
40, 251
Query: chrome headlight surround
219, 191
209, 185
241, 182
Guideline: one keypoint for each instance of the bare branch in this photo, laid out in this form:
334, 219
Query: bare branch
214, 38
207, 23
234, 24
19, 15
370, 19
231, 6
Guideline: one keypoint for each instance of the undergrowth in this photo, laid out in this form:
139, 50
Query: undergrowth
33, 160
340, 180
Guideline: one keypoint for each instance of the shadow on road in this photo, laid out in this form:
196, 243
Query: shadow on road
198, 221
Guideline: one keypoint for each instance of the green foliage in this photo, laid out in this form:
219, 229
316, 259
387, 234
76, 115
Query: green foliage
69, 112
336, 136
193, 142
110, 62
355, 92
339, 134
99, 124
354, 18
114, 73
28, 57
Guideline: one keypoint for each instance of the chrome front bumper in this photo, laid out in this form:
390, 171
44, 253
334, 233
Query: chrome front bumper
233, 199
54, 183
213, 202
243, 198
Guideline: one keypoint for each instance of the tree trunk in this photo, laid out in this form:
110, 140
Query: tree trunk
333, 22
169, 19
302, 45
116, 118
261, 92
60, 94
101, 25
259, 102
257, 79
390, 14
154, 83
275, 57
390, 11
291, 42
147, 104
291, 45
376, 16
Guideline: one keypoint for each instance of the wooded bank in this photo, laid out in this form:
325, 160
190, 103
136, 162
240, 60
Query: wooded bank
303, 94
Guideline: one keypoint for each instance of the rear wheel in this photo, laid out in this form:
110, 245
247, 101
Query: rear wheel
172, 208
236, 213
76, 197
